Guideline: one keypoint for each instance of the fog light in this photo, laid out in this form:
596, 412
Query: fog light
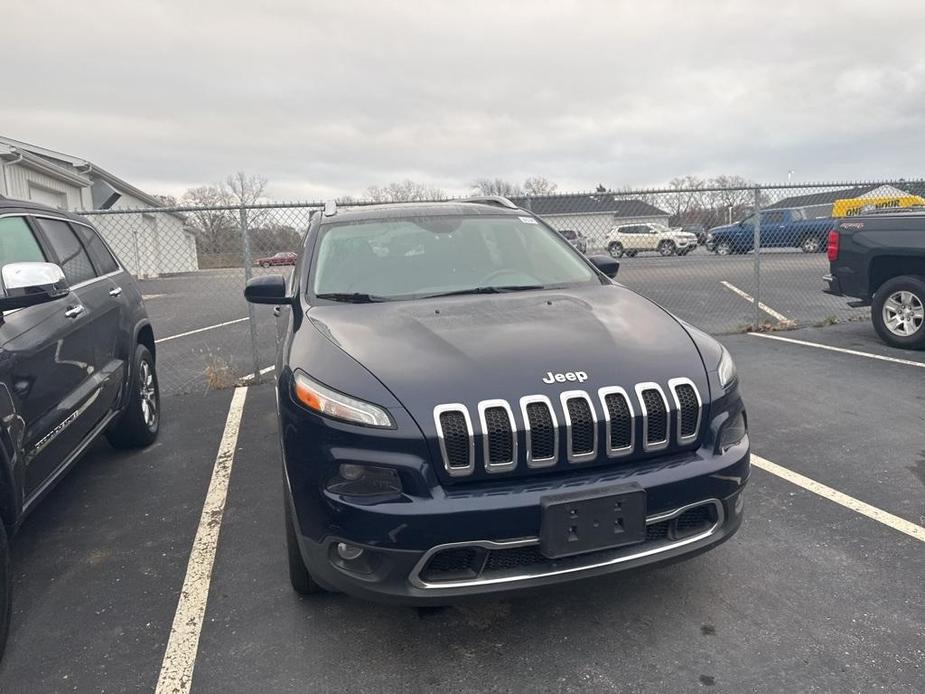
348, 552
351, 472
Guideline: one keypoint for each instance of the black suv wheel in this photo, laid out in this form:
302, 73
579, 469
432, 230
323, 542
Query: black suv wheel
898, 312
141, 420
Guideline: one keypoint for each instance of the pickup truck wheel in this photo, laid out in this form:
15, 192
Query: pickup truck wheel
667, 248
898, 312
615, 248
6, 587
811, 244
302, 581
139, 423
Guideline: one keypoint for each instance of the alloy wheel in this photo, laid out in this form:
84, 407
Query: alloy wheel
903, 313
148, 392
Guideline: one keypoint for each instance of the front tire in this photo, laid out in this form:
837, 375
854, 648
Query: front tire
723, 248
301, 580
615, 248
898, 312
140, 422
6, 588
666, 248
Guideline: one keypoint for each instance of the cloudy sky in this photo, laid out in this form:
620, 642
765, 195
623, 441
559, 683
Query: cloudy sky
327, 98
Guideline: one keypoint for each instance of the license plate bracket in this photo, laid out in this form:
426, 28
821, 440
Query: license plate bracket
585, 521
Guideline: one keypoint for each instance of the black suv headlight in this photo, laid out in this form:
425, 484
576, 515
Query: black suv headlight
726, 369
330, 403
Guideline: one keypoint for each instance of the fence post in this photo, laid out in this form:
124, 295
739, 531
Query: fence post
757, 247
248, 264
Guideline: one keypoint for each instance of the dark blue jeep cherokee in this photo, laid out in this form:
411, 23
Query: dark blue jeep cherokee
468, 405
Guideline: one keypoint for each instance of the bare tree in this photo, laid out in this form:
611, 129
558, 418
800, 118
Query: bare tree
166, 200
211, 227
495, 186
538, 185
243, 189
404, 191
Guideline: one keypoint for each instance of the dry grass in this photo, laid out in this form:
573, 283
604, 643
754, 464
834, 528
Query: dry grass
219, 374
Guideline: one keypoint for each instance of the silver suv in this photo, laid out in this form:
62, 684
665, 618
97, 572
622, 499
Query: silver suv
630, 239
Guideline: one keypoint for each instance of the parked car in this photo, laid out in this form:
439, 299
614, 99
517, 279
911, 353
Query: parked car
879, 259
790, 228
282, 258
575, 238
698, 230
630, 239
491, 414
78, 359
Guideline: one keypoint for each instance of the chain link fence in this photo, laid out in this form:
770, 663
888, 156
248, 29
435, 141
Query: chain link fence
725, 259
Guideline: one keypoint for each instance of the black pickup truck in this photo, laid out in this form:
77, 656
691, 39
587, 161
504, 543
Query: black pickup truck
879, 258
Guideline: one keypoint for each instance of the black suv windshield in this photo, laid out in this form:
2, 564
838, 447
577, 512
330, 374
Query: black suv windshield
414, 257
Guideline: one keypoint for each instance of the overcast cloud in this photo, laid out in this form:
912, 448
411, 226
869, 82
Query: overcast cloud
329, 98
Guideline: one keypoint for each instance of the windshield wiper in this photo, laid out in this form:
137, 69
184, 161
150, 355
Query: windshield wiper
352, 297
487, 290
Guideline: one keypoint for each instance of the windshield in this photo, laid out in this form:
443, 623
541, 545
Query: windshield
416, 257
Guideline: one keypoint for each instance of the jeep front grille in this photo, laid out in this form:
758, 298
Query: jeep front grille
634, 422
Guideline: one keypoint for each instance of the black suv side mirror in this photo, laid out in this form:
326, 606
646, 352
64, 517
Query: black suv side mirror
28, 284
267, 289
609, 266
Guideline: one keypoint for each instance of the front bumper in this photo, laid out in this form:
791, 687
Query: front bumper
400, 539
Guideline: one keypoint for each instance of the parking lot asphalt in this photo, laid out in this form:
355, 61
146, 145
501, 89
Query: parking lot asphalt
201, 317
809, 596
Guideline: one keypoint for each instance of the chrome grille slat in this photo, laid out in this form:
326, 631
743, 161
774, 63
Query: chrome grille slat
617, 442
656, 416
535, 457
689, 407
590, 452
502, 456
445, 450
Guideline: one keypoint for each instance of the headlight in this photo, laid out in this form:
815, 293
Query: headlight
709, 237
330, 403
733, 432
726, 369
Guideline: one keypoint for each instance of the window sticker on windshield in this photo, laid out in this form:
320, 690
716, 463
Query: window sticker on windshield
527, 220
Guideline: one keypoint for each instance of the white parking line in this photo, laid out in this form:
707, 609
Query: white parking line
869, 355
265, 370
177, 668
201, 330
849, 502
749, 298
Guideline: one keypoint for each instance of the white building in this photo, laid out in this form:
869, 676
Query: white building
148, 244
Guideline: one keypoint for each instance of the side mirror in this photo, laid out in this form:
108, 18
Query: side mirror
267, 289
29, 284
609, 266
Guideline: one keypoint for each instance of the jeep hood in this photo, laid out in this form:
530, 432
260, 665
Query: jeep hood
470, 348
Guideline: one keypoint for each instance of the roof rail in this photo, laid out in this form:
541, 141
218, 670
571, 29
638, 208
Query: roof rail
330, 208
498, 200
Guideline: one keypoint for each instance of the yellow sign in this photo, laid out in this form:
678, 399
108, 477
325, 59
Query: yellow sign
854, 206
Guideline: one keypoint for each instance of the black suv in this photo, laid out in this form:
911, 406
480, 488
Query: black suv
76, 359
469, 405
879, 258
